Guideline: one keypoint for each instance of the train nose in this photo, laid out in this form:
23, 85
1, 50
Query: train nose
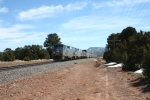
57, 53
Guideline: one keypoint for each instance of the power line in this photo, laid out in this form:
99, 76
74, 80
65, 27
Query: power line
122, 11
127, 10
144, 19
131, 12
139, 10
135, 13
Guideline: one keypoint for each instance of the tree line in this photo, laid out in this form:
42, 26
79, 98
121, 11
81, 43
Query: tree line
131, 48
31, 52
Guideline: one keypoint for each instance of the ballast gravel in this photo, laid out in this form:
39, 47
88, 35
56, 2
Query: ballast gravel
9, 75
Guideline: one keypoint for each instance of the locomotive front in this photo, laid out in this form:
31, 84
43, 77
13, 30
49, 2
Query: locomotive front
58, 52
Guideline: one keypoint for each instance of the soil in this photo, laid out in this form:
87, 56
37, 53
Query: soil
82, 81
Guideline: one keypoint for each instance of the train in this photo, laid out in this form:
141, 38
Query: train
65, 52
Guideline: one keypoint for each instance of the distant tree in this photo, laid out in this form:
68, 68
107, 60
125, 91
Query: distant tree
35, 49
44, 54
8, 55
19, 54
131, 48
39, 53
31, 52
51, 39
27, 52
1, 57
126, 33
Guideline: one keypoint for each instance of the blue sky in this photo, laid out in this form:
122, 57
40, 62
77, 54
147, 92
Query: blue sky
79, 23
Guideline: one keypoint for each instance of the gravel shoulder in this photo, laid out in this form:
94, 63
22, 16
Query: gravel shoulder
77, 81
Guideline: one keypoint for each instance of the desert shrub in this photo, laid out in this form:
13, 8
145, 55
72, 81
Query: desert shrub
146, 64
97, 64
75, 63
27, 59
8, 55
108, 56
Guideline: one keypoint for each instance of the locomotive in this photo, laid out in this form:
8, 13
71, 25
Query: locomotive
64, 52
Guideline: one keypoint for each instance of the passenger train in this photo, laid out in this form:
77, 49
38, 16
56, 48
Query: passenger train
64, 52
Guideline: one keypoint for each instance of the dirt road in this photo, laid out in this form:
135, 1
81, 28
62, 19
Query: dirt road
81, 81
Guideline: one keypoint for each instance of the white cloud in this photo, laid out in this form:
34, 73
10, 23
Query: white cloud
23, 38
92, 23
42, 12
114, 3
4, 10
76, 6
85, 27
109, 4
76, 38
18, 36
49, 11
94, 30
13, 31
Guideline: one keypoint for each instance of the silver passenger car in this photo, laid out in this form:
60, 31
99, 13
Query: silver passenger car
64, 52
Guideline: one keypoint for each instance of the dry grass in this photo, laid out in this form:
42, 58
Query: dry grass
22, 62
75, 63
99, 61
97, 64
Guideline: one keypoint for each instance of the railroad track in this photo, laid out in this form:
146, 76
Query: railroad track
8, 74
6, 68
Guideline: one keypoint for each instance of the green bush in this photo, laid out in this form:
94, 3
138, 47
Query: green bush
146, 64
26, 59
1, 57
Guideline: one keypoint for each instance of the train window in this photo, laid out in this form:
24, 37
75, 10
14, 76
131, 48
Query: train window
68, 47
58, 48
64, 47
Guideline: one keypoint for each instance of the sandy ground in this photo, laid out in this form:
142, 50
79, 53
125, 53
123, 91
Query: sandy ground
81, 81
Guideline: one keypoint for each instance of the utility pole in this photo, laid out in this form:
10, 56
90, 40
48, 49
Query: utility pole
114, 42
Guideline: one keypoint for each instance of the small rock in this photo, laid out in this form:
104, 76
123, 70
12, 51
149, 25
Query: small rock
96, 92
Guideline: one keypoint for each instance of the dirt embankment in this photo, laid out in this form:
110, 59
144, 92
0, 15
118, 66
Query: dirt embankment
81, 81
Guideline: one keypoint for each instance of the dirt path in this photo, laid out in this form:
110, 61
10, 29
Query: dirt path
80, 81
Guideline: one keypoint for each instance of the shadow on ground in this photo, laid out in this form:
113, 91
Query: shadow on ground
142, 83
